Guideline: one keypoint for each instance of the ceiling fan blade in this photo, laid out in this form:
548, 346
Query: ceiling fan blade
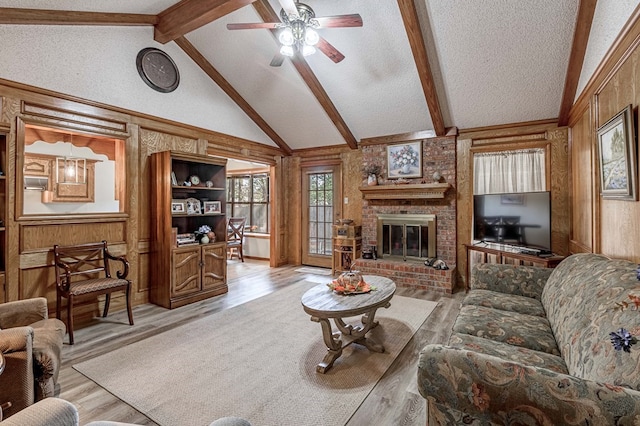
290, 7
277, 60
354, 20
250, 26
327, 48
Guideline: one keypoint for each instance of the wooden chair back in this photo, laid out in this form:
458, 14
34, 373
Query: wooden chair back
83, 262
83, 271
235, 230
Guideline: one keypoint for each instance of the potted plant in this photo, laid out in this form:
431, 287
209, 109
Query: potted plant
371, 172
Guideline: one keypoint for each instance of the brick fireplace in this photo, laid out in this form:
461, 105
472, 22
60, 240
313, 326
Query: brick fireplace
419, 197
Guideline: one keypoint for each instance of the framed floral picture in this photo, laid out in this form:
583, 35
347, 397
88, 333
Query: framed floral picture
404, 160
617, 157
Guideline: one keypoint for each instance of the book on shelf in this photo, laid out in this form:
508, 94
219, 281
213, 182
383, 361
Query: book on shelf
184, 239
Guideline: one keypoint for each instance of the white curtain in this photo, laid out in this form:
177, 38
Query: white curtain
509, 171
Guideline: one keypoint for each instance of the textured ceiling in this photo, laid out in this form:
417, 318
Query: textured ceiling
492, 62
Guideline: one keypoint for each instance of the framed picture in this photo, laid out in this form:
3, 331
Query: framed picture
404, 160
512, 199
178, 206
212, 207
617, 157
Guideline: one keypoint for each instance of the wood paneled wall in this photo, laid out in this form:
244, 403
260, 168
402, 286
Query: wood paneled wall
30, 239
606, 226
352, 179
515, 136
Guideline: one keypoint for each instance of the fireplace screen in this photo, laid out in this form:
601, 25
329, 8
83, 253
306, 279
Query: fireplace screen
409, 237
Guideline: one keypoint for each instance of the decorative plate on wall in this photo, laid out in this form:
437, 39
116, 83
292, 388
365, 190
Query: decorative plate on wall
158, 70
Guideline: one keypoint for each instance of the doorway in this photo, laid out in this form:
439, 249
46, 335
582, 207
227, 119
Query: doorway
321, 201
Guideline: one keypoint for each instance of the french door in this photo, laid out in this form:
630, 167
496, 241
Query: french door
321, 206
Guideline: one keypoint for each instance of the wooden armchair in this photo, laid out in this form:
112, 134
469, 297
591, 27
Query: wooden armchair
235, 234
82, 272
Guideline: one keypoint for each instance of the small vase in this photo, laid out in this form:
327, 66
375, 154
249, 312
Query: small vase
372, 180
406, 168
212, 237
204, 239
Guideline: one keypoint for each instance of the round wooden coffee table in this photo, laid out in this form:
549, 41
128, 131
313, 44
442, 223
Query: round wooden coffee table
323, 304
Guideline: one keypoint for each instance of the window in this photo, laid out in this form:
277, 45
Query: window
509, 171
248, 196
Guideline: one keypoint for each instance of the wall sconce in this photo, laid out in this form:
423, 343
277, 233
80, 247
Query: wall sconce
71, 170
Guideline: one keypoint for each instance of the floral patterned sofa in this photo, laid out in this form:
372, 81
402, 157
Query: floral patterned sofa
532, 346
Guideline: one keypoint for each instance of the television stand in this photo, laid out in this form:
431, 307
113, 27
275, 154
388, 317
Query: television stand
507, 255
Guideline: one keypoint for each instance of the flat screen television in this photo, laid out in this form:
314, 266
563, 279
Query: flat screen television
520, 219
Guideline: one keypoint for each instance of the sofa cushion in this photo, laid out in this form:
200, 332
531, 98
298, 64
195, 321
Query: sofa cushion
581, 299
504, 302
517, 329
507, 351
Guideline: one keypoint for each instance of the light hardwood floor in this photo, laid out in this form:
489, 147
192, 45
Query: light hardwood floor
394, 401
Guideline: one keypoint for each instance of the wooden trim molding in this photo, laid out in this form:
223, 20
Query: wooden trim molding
188, 15
69, 17
416, 41
622, 47
401, 137
586, 11
421, 191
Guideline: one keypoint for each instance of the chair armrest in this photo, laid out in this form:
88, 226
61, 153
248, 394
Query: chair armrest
491, 389
23, 312
64, 280
16, 339
528, 281
46, 412
125, 264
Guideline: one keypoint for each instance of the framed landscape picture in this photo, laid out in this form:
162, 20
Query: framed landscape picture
617, 157
404, 160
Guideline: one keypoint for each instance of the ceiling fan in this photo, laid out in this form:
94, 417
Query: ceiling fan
298, 31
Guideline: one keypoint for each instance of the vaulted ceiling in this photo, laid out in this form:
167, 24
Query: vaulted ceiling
414, 67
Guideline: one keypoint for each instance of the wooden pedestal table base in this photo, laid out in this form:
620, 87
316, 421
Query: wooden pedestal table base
323, 304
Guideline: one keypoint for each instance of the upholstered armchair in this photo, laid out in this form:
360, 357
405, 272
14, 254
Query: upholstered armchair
30, 343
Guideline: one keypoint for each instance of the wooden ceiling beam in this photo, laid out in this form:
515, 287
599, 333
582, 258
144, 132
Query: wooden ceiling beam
188, 15
267, 14
416, 41
586, 10
210, 70
66, 17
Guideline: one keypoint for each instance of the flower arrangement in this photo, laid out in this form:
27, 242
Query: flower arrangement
622, 340
407, 156
202, 231
372, 169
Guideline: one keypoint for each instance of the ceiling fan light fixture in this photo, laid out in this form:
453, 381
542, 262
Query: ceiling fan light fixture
311, 37
286, 37
308, 50
286, 50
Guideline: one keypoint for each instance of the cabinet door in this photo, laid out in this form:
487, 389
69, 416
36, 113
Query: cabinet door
214, 258
186, 271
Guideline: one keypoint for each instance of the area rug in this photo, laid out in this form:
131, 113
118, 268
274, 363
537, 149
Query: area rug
256, 361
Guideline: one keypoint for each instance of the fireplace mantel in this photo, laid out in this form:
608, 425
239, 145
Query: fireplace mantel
418, 191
